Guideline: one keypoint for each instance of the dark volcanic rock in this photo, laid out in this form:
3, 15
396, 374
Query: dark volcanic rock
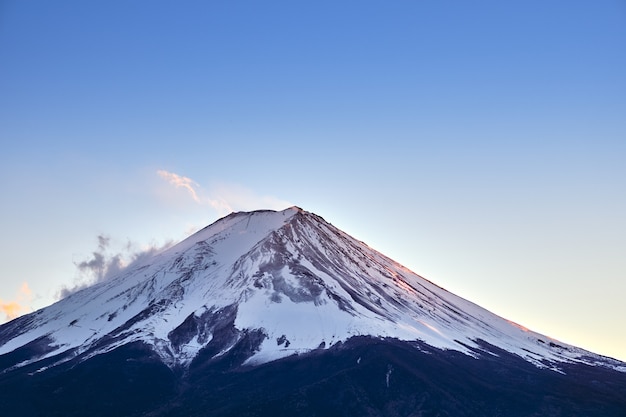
362, 377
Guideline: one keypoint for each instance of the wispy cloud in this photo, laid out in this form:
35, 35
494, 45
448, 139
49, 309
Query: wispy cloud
223, 198
240, 198
106, 263
196, 192
181, 182
18, 306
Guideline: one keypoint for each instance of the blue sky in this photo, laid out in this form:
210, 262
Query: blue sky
481, 145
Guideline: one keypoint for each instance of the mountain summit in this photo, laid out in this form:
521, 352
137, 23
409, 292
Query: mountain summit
262, 288
290, 278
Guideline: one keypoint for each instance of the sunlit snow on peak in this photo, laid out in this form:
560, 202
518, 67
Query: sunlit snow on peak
286, 279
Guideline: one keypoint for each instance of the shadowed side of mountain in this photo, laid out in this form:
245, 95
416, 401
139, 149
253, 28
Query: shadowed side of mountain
364, 376
386, 377
123, 382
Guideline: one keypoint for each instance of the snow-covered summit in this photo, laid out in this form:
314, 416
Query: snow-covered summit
289, 278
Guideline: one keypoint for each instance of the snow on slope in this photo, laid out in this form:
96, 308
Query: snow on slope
290, 276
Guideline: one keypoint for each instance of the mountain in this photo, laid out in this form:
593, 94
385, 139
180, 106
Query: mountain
281, 313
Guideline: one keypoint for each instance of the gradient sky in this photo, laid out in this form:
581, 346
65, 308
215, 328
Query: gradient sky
481, 144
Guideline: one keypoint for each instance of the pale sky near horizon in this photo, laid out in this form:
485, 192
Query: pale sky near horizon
480, 144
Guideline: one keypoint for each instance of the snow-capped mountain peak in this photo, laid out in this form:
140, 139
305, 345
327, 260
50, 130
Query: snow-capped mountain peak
286, 281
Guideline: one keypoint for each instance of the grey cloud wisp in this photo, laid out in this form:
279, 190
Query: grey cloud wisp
104, 265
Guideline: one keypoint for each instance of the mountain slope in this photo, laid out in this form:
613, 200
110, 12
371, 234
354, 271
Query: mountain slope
291, 277
281, 313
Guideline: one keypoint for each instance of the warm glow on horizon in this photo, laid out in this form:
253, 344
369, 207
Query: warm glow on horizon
17, 307
11, 309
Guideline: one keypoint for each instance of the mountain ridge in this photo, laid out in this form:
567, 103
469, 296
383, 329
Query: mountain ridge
281, 313
295, 279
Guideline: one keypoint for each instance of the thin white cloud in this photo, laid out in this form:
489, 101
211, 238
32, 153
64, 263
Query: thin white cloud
180, 182
197, 193
243, 199
224, 198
